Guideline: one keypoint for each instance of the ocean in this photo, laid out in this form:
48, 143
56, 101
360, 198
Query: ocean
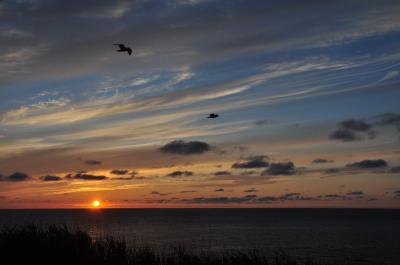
341, 236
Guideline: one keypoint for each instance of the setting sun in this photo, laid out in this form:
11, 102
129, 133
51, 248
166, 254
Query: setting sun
96, 204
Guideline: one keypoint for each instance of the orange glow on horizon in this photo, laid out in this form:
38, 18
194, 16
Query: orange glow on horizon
96, 204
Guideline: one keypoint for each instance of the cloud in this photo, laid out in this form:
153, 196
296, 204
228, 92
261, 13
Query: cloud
261, 123
350, 130
160, 193
294, 196
322, 160
190, 2
15, 177
15, 34
344, 135
119, 171
355, 193
185, 148
299, 197
246, 198
371, 135
252, 162
248, 172
395, 169
188, 191
93, 162
125, 178
389, 75
51, 178
360, 166
134, 173
333, 196
179, 173
251, 190
375, 163
257, 157
84, 176
268, 199
222, 173
355, 125
331, 170
280, 169
389, 119
338, 197
290, 195
243, 32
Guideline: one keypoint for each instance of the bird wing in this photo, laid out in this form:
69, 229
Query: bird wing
129, 50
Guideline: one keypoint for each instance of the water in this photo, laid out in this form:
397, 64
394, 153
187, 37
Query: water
354, 236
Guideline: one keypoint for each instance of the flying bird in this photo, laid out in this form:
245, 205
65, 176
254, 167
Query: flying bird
212, 116
123, 48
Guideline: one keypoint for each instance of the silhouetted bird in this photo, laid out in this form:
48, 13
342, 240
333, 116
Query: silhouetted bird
123, 48
212, 116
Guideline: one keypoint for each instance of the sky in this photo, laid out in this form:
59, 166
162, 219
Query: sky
307, 94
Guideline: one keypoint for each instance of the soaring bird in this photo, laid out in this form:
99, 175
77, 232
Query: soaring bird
123, 48
212, 116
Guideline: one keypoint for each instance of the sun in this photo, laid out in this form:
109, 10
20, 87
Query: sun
96, 204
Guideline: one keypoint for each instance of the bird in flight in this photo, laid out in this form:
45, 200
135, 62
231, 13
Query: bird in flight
212, 116
123, 48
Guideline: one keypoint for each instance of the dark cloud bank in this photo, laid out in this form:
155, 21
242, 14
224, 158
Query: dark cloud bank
51, 178
185, 148
84, 176
287, 168
321, 161
222, 173
376, 163
252, 162
180, 174
357, 129
389, 119
280, 168
294, 196
352, 130
15, 177
119, 171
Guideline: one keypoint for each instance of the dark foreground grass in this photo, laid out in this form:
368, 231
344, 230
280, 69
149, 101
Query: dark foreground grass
31, 244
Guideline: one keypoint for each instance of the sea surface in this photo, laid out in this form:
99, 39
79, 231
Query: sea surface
340, 236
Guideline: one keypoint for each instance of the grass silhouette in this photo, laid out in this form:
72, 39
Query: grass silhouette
57, 244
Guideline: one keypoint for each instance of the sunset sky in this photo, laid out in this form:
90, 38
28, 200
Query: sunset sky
308, 94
